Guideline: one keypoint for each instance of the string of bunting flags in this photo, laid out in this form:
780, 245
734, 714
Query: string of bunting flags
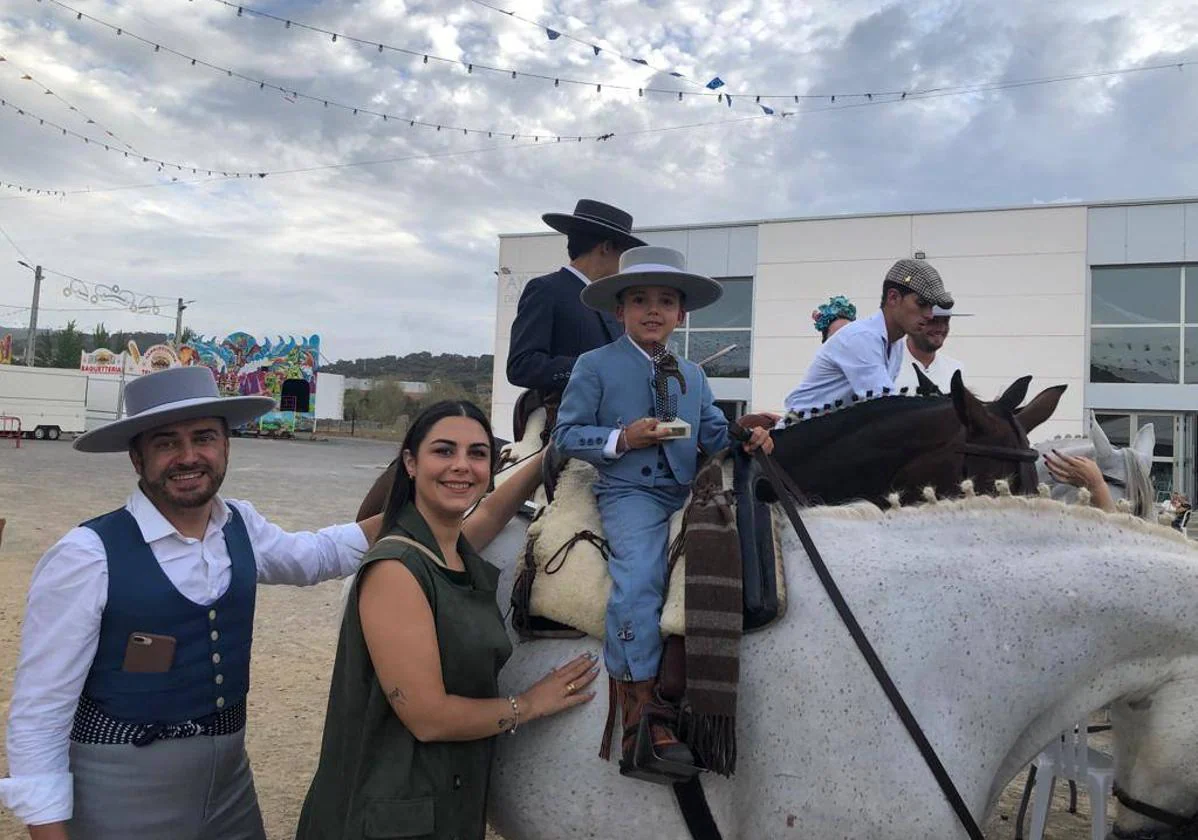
21, 188
712, 88
292, 94
162, 165
89, 120
554, 34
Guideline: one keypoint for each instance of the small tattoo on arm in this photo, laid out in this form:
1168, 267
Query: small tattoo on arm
505, 724
396, 697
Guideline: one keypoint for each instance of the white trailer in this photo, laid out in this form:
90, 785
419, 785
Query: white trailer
48, 402
105, 398
330, 396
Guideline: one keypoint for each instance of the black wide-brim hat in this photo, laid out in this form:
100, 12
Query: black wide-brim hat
597, 219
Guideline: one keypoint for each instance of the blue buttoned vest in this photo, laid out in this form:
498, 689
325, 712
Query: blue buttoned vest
211, 668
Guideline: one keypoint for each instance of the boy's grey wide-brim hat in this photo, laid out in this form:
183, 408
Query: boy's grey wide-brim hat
652, 265
920, 277
170, 396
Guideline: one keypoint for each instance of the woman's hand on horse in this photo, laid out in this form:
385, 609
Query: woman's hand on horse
562, 688
1074, 469
642, 433
759, 438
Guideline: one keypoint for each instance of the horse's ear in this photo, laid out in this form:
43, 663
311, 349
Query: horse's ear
1102, 444
970, 410
1014, 395
1145, 444
1040, 408
926, 388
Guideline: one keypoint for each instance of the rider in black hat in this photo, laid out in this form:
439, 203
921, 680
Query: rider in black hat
552, 326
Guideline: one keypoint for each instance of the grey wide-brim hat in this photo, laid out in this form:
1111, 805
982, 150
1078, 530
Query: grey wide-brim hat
652, 265
941, 312
920, 277
595, 218
170, 396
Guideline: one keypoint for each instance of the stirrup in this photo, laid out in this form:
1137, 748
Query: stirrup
648, 766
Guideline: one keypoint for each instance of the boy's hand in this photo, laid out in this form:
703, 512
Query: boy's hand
759, 438
642, 433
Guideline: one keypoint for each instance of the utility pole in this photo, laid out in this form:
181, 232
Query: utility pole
31, 343
179, 324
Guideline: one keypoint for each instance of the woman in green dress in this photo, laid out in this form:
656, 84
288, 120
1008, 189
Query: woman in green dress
414, 705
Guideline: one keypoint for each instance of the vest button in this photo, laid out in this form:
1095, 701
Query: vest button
214, 635
646, 471
220, 678
212, 615
216, 659
220, 702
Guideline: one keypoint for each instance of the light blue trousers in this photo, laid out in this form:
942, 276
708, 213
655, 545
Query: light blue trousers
636, 522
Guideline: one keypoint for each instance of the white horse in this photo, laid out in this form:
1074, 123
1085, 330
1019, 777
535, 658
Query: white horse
1002, 621
1127, 470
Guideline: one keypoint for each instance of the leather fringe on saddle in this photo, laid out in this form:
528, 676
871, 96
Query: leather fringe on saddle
714, 622
527, 625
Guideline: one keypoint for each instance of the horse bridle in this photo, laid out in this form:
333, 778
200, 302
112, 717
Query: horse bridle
1179, 827
1014, 454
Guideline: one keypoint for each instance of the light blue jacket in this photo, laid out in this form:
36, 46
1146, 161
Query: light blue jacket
613, 387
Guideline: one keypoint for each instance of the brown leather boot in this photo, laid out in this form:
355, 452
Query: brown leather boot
635, 699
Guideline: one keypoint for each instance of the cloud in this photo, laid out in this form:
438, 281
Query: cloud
398, 257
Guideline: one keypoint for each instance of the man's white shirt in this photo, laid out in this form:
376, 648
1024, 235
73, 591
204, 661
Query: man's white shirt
940, 371
61, 633
858, 359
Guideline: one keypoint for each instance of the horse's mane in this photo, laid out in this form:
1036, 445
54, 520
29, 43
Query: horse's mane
828, 428
971, 504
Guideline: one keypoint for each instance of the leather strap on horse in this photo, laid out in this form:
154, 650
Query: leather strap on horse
1180, 827
692, 801
787, 492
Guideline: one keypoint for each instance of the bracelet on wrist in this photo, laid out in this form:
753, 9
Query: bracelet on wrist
515, 714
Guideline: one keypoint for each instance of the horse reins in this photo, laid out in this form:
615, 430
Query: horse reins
1180, 827
787, 493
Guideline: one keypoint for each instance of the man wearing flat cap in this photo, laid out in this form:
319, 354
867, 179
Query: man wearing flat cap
129, 705
863, 359
553, 327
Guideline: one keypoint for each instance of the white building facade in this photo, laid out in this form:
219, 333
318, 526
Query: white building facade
1100, 297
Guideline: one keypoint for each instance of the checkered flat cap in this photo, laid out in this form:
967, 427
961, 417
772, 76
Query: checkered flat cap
920, 277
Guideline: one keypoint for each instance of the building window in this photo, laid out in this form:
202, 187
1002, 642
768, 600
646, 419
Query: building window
725, 323
1144, 325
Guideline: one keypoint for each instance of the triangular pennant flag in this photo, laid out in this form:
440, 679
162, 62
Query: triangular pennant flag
596, 49
641, 61
769, 111
717, 82
553, 34
729, 100
676, 74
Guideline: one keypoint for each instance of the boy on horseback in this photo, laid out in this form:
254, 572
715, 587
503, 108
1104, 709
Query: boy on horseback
621, 412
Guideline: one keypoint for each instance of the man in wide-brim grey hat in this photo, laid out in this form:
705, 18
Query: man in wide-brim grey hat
862, 360
128, 710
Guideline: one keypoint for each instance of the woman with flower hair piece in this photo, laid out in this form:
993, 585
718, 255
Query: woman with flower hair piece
831, 316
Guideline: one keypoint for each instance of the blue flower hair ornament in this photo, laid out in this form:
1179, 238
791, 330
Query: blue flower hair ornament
837, 307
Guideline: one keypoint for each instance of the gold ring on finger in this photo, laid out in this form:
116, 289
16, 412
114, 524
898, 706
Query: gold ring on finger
571, 688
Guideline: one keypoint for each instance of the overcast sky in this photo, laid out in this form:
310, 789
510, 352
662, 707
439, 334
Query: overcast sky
398, 257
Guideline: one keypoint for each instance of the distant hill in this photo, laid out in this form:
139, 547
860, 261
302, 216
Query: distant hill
473, 373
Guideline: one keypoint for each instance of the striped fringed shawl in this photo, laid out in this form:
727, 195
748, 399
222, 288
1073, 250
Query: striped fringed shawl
714, 621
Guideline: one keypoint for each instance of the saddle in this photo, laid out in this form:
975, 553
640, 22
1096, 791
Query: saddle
527, 403
562, 585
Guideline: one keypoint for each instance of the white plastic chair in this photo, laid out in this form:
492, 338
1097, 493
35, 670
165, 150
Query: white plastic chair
1069, 757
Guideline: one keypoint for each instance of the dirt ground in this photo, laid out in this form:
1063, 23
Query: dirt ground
46, 488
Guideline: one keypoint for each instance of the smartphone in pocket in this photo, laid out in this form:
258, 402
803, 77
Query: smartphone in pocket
149, 653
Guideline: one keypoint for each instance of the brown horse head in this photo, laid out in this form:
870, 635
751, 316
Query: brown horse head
905, 444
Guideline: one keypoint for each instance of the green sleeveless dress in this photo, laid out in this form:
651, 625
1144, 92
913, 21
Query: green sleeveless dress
375, 780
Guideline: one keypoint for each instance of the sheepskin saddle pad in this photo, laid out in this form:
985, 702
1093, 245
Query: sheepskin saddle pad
566, 545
